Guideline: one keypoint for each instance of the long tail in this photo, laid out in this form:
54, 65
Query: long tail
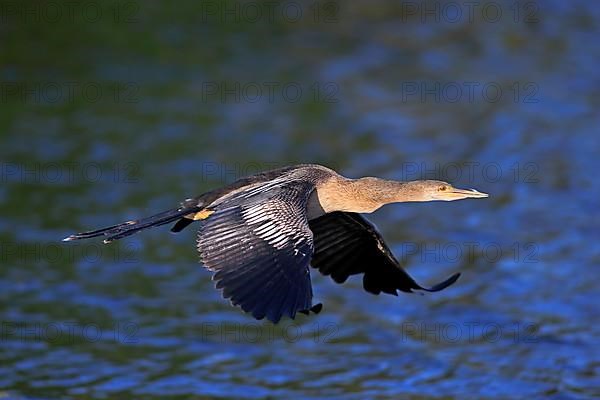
130, 227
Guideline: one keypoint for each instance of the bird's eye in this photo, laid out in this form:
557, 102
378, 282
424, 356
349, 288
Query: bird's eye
442, 188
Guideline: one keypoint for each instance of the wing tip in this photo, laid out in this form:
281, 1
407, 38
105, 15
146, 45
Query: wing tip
442, 285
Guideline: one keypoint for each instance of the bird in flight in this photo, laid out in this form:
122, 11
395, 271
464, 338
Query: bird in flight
260, 234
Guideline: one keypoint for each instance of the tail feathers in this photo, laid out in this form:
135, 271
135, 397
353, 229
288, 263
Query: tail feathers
124, 229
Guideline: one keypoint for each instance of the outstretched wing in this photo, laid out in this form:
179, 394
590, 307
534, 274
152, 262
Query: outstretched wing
259, 245
347, 244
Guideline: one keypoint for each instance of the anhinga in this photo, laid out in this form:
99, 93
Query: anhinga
260, 234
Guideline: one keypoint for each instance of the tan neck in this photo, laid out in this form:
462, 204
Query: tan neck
363, 195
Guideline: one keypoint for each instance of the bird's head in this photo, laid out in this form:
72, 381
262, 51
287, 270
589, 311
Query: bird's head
367, 194
431, 190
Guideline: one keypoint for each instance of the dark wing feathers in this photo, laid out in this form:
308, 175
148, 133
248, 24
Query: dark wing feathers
259, 245
347, 244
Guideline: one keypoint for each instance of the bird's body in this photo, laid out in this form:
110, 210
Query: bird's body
260, 234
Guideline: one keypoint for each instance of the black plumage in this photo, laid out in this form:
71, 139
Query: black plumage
347, 244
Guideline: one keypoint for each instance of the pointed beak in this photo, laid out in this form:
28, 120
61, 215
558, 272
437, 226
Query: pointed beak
467, 194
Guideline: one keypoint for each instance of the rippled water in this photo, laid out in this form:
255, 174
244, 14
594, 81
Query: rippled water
379, 82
